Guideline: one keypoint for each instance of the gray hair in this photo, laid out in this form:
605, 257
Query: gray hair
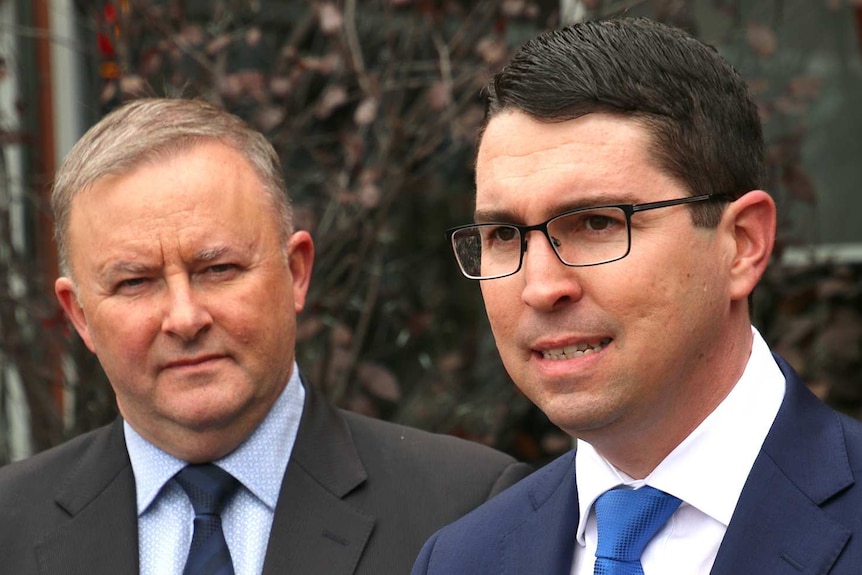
150, 129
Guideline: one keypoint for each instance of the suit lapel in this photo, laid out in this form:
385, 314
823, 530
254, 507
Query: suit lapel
778, 526
101, 536
544, 542
314, 529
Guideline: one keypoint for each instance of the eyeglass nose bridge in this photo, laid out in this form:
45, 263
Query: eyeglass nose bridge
543, 227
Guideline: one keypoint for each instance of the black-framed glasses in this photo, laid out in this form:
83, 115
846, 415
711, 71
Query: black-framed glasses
581, 237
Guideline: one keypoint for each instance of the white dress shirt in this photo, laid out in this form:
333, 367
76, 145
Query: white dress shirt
165, 514
706, 471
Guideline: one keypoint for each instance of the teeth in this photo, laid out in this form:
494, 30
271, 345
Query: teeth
572, 351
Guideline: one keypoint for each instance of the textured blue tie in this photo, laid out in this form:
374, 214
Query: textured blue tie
626, 520
209, 488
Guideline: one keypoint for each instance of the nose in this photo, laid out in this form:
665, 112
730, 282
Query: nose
185, 315
548, 282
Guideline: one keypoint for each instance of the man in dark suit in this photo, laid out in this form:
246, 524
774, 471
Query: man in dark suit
182, 272
621, 226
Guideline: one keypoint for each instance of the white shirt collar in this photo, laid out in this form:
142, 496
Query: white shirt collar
709, 468
258, 463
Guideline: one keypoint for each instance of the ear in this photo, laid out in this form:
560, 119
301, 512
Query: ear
300, 258
751, 221
67, 294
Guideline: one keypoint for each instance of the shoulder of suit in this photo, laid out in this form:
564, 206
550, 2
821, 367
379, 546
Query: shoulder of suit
44, 470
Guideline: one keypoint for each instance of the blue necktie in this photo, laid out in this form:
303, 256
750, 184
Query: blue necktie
626, 520
209, 488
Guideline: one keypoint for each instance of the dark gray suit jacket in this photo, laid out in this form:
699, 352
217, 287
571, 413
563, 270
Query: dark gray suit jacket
360, 496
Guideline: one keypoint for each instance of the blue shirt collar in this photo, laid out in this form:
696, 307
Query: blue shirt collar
258, 463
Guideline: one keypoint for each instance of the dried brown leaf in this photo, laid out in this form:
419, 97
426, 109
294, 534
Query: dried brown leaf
358, 403
761, 39
366, 111
806, 87
369, 195
379, 381
440, 95
799, 184
330, 18
492, 50
334, 97
341, 335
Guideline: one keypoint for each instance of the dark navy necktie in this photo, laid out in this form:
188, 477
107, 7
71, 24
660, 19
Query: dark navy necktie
209, 488
626, 520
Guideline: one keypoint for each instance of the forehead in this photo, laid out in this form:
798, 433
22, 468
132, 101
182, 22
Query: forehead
156, 183
602, 155
208, 191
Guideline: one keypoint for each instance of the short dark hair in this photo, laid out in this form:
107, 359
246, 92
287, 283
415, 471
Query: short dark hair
705, 127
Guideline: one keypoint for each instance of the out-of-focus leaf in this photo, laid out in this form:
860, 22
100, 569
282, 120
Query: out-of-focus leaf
358, 403
366, 111
799, 184
330, 17
761, 39
492, 50
379, 381
439, 95
840, 340
806, 87
334, 97
555, 443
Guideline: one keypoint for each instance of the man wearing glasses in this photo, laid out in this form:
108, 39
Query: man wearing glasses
620, 228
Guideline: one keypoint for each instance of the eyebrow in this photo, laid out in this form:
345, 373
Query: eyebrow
210, 254
132, 267
592, 201
137, 267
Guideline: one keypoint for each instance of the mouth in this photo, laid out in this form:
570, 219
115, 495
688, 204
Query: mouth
191, 361
573, 351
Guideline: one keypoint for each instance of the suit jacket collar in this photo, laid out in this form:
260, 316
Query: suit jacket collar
99, 497
314, 528
544, 541
778, 526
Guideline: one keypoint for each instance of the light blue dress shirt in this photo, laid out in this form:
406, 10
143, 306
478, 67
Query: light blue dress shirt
165, 514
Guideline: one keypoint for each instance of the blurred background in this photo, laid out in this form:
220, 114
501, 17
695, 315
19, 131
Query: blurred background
373, 106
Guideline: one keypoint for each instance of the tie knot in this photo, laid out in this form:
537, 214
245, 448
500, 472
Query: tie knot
208, 487
627, 519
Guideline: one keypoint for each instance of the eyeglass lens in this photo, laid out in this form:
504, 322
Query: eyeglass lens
581, 238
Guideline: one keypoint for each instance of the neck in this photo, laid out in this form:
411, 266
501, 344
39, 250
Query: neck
637, 447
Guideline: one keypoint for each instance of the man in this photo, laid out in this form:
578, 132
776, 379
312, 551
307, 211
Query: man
620, 229
183, 274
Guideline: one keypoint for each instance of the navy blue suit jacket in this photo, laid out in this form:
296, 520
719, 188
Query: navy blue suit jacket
800, 511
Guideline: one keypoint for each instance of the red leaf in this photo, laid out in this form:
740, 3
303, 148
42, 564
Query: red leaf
110, 13
106, 48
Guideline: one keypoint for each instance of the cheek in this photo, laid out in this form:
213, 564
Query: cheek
123, 332
500, 306
255, 316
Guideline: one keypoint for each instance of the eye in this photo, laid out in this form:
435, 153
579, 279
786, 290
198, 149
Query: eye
503, 233
130, 284
220, 268
219, 272
598, 223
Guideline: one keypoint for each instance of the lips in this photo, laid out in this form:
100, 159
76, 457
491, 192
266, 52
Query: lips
191, 361
576, 350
